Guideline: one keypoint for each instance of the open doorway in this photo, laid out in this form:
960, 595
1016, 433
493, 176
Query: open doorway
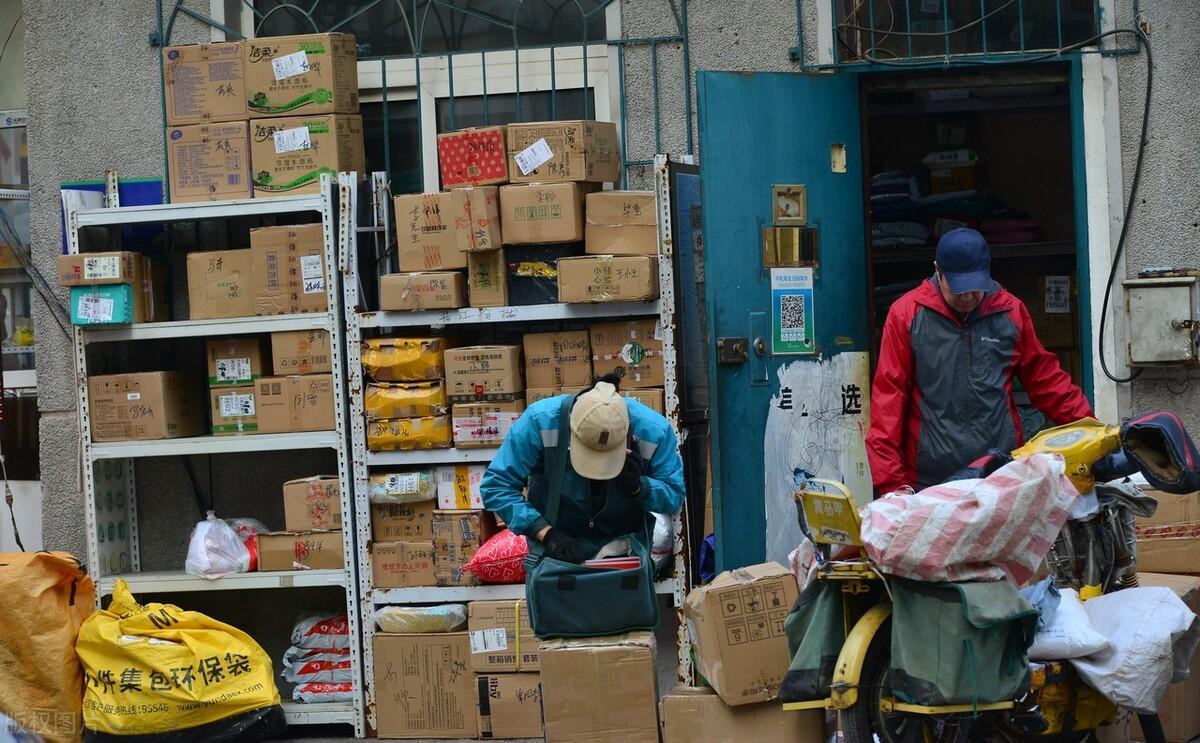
990, 150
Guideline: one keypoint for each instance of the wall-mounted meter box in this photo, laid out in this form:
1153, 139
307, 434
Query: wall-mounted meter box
1162, 319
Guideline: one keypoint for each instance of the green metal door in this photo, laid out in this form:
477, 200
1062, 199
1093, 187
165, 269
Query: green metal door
776, 413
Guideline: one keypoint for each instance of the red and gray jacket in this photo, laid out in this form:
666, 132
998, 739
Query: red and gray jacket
943, 391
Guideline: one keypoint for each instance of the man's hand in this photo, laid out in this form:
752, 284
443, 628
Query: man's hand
561, 546
629, 480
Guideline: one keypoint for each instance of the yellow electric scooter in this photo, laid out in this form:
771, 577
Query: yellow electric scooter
1059, 706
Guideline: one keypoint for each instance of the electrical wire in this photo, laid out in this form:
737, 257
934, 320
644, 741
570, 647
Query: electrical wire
8, 498
915, 34
11, 31
1131, 200
9, 235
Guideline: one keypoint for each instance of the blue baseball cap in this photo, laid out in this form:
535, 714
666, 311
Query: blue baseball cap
964, 259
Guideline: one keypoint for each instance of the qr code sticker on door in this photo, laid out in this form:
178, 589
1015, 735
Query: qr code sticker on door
792, 320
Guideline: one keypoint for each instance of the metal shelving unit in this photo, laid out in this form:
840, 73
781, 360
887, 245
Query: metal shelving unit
401, 322
113, 546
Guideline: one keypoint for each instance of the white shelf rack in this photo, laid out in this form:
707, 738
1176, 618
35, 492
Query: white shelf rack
412, 322
115, 552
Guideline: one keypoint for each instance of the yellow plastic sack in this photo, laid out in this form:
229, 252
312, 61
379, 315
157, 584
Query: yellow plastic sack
404, 359
47, 595
391, 434
161, 669
405, 399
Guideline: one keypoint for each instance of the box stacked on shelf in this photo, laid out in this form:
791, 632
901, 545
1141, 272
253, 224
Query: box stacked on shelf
144, 406
312, 520
457, 536
220, 284
630, 348
114, 288
485, 386
402, 544
556, 363
234, 366
407, 394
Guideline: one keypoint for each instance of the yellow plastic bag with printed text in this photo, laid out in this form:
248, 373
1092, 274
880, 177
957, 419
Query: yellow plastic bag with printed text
169, 674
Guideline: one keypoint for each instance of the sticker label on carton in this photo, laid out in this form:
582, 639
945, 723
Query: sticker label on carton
1058, 295
133, 396
532, 156
633, 353
236, 406
292, 140
233, 370
311, 274
400, 484
95, 309
290, 65
101, 267
489, 640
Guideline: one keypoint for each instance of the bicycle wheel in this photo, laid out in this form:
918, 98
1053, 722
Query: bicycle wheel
866, 722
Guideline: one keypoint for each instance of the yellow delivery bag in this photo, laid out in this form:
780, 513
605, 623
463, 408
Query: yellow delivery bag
158, 670
47, 595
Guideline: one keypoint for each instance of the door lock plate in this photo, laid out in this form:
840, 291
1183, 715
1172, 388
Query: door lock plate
733, 350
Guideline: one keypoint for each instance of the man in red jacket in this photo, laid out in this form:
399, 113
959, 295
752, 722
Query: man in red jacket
943, 391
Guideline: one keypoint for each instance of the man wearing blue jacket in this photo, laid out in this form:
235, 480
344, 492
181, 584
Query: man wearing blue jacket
624, 465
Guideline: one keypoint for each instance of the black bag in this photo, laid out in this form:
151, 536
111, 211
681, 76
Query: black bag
1163, 451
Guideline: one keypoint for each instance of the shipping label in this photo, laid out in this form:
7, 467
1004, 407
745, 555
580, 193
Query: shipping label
402, 483
532, 156
290, 65
292, 140
489, 640
234, 370
95, 309
101, 267
311, 274
236, 406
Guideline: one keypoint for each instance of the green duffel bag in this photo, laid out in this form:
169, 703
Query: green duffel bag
959, 643
816, 631
569, 600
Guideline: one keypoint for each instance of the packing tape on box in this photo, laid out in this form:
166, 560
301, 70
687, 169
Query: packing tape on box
405, 400
491, 426
517, 632
537, 269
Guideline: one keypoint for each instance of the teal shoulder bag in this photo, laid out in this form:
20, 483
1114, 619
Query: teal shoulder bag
569, 600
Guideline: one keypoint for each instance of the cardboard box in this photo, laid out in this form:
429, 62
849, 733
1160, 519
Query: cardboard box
421, 690
736, 626
487, 279
301, 352
290, 154
1172, 509
621, 223
951, 180
631, 348
404, 359
483, 373
301, 75
89, 269
220, 284
1053, 306
235, 361
394, 522
458, 486
233, 410
209, 162
600, 689
422, 291
457, 536
533, 272
425, 236
405, 399
502, 638
541, 213
477, 219
533, 395
480, 425
608, 278
144, 407
652, 398
692, 714
510, 705
304, 550
473, 157
403, 564
1169, 548
312, 503
288, 269
562, 359
141, 299
579, 151
407, 434
204, 83
295, 403
1178, 712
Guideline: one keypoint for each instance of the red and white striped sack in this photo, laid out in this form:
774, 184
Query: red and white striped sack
996, 528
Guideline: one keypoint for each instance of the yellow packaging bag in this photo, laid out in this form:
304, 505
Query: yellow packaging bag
403, 434
405, 399
47, 596
158, 668
404, 359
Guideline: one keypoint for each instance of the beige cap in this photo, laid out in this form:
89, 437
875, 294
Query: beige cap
599, 429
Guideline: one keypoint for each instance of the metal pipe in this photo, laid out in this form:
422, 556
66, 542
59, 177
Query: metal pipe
450, 73
654, 88
624, 117
687, 75
483, 74
387, 135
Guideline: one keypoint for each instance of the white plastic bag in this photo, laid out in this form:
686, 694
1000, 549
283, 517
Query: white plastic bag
1069, 632
419, 620
323, 692
1152, 634
322, 630
661, 547
307, 666
215, 550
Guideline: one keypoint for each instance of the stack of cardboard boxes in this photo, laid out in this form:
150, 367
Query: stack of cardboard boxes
418, 544
312, 536
406, 396
114, 288
486, 387
263, 117
514, 207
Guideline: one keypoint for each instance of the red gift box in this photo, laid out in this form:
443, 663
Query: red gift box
473, 157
